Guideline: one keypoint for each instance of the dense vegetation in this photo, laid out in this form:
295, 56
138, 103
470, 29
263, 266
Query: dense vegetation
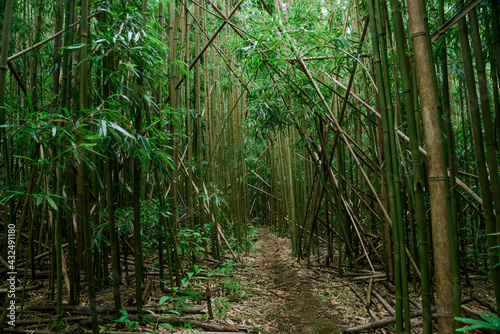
368, 132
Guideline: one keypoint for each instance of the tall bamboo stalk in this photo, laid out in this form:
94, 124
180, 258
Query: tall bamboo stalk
198, 134
490, 142
436, 167
83, 170
382, 97
417, 164
58, 237
451, 163
113, 240
189, 185
4, 52
173, 221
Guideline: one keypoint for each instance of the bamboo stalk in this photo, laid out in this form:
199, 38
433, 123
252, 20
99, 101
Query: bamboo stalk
436, 168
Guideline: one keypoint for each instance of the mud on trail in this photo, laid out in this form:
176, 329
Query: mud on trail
287, 297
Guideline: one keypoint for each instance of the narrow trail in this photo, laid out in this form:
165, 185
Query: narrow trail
288, 294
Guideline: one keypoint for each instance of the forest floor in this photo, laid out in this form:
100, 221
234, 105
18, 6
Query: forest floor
265, 291
285, 296
288, 298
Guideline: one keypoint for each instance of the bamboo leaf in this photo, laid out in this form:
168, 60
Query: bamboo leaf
104, 128
119, 128
476, 322
51, 202
163, 300
30, 102
23, 157
76, 46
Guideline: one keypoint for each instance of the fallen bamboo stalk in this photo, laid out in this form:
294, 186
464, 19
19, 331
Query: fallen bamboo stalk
120, 332
38, 274
485, 302
389, 320
26, 331
225, 241
363, 301
379, 323
175, 321
27, 322
18, 289
41, 256
360, 278
86, 309
384, 302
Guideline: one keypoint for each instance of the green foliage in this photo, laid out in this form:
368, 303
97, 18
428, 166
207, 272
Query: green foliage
125, 320
490, 322
192, 241
221, 305
191, 291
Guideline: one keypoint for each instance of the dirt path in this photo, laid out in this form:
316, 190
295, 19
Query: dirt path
286, 298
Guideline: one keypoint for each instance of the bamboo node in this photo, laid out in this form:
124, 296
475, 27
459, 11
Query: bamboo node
443, 315
418, 34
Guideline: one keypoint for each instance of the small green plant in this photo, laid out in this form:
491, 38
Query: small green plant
232, 287
221, 305
168, 327
324, 297
177, 300
492, 322
125, 320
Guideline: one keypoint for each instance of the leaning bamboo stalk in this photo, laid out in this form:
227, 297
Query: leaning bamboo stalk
454, 19
400, 133
383, 210
48, 39
332, 119
387, 321
205, 47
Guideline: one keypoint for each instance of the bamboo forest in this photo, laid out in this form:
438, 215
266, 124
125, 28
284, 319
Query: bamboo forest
251, 166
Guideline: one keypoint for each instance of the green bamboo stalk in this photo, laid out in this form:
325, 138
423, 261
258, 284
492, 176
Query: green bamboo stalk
69, 190
450, 191
495, 28
488, 127
198, 135
83, 170
389, 166
495, 68
58, 237
173, 104
4, 52
189, 186
113, 242
390, 114
480, 158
